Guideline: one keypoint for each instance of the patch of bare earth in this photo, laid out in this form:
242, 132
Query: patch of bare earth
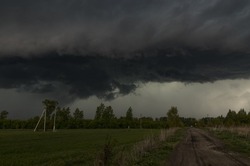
201, 149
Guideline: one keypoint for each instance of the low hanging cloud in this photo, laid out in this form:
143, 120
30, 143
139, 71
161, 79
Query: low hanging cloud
109, 48
109, 77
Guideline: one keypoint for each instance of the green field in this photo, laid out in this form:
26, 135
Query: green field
64, 147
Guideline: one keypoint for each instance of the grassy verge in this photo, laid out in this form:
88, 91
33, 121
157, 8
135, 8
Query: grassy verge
159, 156
235, 139
153, 150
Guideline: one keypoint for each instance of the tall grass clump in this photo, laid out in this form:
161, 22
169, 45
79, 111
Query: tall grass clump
105, 156
241, 131
142, 148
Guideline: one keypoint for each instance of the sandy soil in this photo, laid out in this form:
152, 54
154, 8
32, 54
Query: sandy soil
201, 149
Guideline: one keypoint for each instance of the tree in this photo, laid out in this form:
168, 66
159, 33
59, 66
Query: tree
231, 118
104, 117
63, 117
188, 122
129, 118
4, 123
77, 121
173, 119
50, 106
4, 114
99, 111
78, 115
108, 116
108, 113
242, 117
129, 114
248, 118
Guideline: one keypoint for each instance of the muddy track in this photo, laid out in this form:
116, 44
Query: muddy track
201, 149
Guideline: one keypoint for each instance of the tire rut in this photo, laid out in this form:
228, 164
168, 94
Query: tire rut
198, 159
220, 148
201, 149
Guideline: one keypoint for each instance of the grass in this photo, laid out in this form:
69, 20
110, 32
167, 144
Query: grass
235, 139
153, 150
159, 156
65, 147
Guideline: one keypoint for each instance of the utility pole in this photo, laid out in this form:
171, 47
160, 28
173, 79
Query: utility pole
54, 126
51, 106
44, 125
39, 120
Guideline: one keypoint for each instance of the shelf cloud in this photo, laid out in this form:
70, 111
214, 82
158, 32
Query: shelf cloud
109, 77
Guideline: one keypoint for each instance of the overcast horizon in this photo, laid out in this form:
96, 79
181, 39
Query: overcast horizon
148, 54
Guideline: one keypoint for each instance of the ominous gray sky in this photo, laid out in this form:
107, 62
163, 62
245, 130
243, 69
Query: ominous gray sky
148, 54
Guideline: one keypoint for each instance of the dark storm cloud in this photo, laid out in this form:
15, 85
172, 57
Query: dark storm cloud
110, 26
85, 76
109, 77
107, 48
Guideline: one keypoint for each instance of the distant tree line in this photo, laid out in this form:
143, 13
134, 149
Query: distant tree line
232, 119
105, 118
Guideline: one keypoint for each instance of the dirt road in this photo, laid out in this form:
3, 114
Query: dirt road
201, 149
